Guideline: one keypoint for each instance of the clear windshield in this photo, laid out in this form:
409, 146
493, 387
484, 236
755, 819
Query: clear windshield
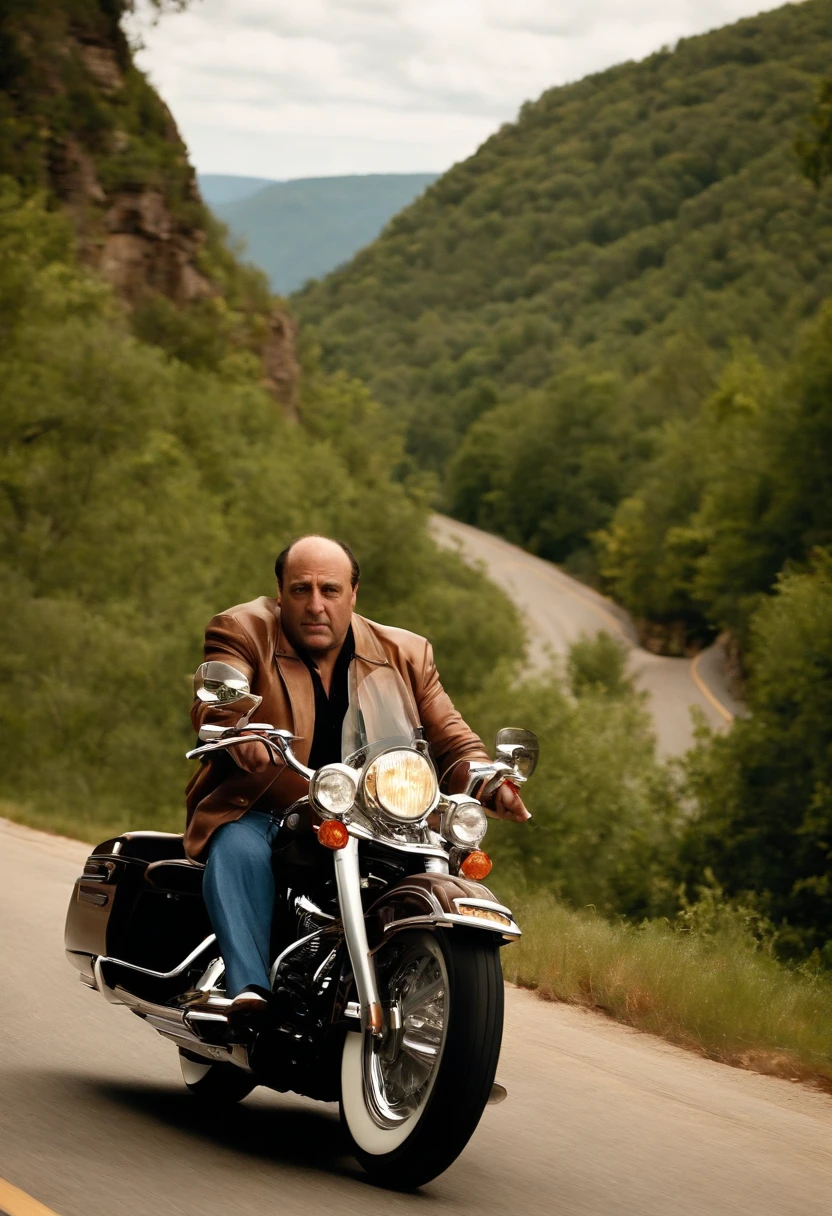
381, 714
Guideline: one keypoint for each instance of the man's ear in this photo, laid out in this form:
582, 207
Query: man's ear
354, 595
278, 597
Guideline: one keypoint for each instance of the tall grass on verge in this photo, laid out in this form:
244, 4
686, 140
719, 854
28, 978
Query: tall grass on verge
713, 987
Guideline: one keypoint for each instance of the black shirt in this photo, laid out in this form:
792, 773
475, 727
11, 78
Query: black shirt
330, 710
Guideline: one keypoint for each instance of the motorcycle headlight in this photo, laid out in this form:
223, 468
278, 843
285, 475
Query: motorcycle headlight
402, 784
333, 789
464, 823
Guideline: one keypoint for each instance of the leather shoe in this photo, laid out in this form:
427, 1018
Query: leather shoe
250, 1004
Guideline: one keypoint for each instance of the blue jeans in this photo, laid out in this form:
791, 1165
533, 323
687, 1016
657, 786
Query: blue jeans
238, 888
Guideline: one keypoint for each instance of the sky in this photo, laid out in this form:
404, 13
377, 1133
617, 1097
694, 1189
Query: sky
313, 88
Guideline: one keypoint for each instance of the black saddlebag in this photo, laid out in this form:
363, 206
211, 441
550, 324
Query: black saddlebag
139, 899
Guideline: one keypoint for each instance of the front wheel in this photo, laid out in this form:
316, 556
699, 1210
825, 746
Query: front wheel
222, 1084
412, 1100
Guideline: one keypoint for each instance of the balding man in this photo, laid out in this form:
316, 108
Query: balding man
296, 651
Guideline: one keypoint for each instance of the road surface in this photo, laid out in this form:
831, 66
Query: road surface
558, 610
600, 1120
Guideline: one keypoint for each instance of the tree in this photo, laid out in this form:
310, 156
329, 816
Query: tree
764, 791
815, 151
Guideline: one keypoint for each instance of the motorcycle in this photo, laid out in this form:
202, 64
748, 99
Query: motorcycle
387, 990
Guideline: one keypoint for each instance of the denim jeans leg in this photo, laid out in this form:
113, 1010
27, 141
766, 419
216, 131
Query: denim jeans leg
238, 888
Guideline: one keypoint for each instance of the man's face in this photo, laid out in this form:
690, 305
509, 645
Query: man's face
316, 600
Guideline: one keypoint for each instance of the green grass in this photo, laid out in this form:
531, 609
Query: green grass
719, 993
94, 825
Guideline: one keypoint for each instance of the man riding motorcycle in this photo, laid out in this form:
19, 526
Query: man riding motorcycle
296, 652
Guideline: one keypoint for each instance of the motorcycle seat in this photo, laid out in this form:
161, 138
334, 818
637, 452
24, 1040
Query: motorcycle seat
144, 846
182, 877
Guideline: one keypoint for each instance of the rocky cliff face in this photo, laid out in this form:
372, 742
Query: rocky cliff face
130, 233
80, 121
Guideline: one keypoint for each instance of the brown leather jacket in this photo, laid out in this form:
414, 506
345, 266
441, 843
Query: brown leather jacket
250, 638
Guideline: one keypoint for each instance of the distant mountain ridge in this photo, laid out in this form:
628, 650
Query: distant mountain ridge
302, 229
219, 188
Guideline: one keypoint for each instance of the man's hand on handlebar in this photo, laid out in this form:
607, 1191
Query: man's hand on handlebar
508, 804
253, 757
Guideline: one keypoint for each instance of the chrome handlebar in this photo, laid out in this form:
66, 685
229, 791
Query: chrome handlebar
484, 778
279, 743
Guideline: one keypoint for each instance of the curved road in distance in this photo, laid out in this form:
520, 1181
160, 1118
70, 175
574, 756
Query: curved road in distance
558, 610
599, 1120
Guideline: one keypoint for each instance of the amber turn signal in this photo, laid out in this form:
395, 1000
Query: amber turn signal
333, 834
477, 865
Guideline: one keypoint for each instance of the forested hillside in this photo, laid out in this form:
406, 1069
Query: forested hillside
299, 230
553, 303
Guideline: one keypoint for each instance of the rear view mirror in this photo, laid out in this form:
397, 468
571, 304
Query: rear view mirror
518, 748
221, 684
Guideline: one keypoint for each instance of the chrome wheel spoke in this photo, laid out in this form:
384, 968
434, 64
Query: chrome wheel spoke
399, 1072
422, 996
420, 1049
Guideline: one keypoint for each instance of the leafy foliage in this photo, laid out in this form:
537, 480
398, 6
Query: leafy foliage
764, 791
599, 664
815, 150
604, 810
547, 470
734, 492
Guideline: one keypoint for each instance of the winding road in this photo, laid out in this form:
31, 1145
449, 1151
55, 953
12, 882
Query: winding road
558, 610
600, 1120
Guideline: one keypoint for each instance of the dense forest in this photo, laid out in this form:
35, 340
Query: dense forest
587, 280
161, 437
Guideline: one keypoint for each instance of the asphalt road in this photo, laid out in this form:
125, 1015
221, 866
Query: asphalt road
558, 610
600, 1120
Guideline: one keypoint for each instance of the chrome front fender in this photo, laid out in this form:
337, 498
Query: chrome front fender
441, 901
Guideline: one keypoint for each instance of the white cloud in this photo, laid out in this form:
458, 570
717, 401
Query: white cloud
278, 88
